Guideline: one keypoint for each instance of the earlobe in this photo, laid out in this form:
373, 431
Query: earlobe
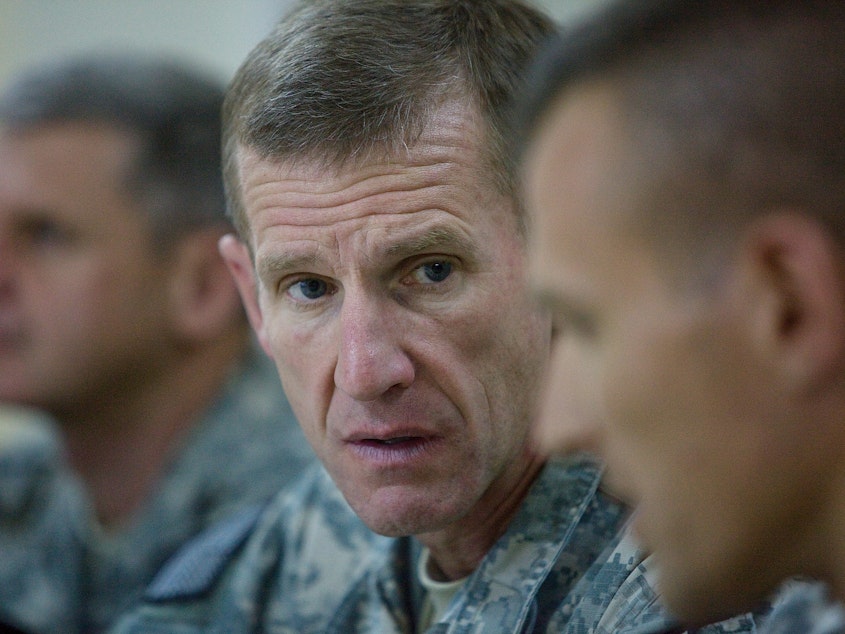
239, 262
801, 301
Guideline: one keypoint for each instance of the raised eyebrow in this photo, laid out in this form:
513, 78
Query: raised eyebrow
438, 237
280, 264
283, 263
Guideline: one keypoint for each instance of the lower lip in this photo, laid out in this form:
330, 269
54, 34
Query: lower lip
399, 454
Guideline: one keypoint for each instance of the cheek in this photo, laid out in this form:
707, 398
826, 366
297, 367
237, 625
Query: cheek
305, 359
569, 419
556, 415
634, 397
512, 356
678, 437
644, 389
82, 305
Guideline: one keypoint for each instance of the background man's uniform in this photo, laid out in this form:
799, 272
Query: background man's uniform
247, 447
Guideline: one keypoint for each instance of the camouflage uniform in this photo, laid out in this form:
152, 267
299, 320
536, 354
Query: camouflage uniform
805, 608
242, 452
307, 564
42, 523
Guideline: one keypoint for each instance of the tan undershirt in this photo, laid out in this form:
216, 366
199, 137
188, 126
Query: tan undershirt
438, 595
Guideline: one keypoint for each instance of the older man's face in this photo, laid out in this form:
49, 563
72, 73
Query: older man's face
393, 298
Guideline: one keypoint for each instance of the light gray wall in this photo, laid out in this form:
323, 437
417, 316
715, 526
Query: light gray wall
568, 10
215, 34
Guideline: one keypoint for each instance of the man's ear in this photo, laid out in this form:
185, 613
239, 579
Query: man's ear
799, 304
203, 299
237, 258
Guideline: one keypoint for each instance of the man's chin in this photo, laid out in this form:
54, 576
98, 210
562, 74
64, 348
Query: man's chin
394, 514
400, 523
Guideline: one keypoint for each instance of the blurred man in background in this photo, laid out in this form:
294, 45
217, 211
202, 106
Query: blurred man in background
119, 319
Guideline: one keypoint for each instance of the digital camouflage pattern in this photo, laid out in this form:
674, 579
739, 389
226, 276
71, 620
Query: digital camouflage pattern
42, 524
307, 564
805, 608
69, 575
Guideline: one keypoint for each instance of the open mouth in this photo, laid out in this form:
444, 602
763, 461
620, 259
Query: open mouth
395, 450
392, 441
398, 442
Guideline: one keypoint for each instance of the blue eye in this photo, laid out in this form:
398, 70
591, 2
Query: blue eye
309, 289
433, 272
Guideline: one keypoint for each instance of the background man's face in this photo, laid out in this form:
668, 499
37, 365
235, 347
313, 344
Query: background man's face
393, 297
80, 291
659, 378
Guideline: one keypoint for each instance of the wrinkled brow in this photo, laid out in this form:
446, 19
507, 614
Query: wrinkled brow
282, 263
435, 238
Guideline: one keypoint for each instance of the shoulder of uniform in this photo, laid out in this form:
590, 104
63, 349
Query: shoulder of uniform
194, 569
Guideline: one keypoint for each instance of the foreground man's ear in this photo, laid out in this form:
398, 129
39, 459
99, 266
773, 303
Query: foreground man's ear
801, 281
237, 258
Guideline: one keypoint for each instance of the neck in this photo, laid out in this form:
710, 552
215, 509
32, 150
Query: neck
119, 446
458, 550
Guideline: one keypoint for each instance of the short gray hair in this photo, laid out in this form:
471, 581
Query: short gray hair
341, 80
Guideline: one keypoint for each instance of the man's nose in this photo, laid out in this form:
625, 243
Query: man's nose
371, 359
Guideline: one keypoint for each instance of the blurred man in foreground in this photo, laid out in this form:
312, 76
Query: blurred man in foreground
686, 173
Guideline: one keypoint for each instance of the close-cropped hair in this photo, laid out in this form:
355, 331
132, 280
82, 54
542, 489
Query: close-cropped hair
171, 110
340, 81
740, 104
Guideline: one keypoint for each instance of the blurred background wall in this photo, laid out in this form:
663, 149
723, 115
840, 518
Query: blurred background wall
215, 34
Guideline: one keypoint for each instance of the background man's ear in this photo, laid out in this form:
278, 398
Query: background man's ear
237, 258
204, 300
801, 306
